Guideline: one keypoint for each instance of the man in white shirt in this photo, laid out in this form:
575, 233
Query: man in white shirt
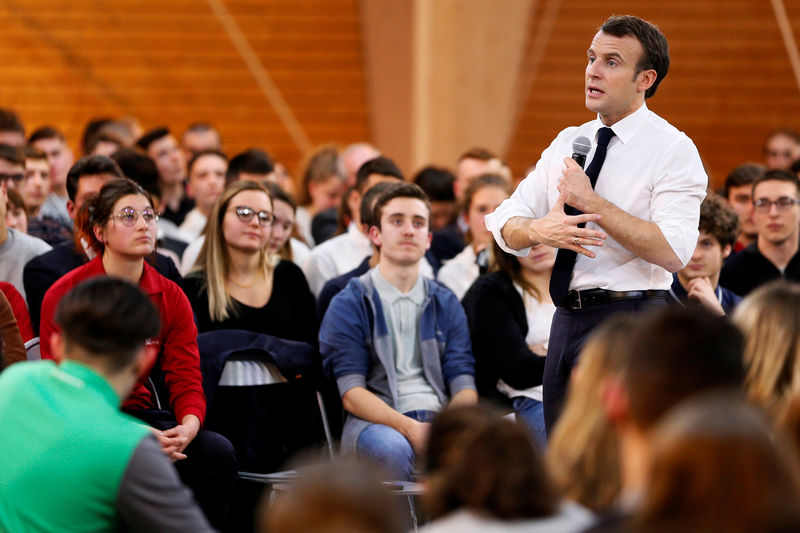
641, 216
207, 170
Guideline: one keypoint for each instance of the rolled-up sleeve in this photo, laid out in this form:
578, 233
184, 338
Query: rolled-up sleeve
678, 192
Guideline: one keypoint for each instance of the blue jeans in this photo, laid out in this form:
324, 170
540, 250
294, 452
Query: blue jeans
388, 448
531, 413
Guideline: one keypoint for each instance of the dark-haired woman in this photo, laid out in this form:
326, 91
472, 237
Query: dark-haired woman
120, 225
509, 312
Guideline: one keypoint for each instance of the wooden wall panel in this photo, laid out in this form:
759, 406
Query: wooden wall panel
170, 62
730, 82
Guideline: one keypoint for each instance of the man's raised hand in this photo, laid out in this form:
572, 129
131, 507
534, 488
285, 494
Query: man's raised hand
560, 230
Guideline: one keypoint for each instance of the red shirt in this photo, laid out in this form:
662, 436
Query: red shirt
179, 356
20, 309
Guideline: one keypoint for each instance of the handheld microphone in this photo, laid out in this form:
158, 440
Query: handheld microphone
580, 149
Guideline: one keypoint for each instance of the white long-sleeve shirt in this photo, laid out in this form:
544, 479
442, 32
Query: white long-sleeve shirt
652, 171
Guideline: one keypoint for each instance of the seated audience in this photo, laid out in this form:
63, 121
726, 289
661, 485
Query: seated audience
673, 354
12, 167
19, 309
84, 181
342, 497
13, 346
51, 141
396, 343
237, 284
716, 467
16, 248
770, 319
120, 226
698, 282
583, 453
509, 312
16, 212
206, 180
35, 191
345, 252
101, 470
486, 476
438, 185
738, 191
781, 149
776, 214
321, 189
163, 149
483, 195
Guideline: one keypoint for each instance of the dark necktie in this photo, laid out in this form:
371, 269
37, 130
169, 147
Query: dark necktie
565, 259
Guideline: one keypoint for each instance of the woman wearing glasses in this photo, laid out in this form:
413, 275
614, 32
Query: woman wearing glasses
120, 225
237, 284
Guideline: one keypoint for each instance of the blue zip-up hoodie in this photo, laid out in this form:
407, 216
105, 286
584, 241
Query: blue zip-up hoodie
357, 348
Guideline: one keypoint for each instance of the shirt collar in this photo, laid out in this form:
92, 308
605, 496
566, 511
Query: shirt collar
626, 128
392, 294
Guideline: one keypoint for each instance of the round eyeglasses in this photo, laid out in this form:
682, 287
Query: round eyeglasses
128, 216
246, 214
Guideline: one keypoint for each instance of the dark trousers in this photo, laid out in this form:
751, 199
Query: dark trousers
209, 468
568, 334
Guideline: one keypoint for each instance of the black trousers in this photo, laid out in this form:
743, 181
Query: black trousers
209, 468
568, 334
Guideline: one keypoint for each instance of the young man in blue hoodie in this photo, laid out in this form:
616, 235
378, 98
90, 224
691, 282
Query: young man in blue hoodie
397, 343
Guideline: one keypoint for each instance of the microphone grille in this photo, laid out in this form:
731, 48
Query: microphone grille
582, 145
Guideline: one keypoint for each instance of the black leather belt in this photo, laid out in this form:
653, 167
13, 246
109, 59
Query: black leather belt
581, 299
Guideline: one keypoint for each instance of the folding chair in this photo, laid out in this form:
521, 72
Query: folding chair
32, 349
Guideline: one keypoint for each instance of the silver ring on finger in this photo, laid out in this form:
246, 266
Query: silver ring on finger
576, 241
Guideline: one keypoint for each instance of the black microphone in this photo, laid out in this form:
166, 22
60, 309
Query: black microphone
580, 149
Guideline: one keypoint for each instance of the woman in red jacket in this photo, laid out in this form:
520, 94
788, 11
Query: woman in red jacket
120, 225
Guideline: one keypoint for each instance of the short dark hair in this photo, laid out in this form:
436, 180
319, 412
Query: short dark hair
90, 165
678, 352
46, 132
479, 153
108, 317
719, 219
200, 127
399, 190
33, 153
744, 174
437, 182
369, 198
151, 136
12, 154
378, 165
655, 49
140, 168
90, 131
203, 153
251, 161
777, 175
10, 121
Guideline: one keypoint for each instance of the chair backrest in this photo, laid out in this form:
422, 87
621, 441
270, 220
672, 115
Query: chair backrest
32, 349
268, 416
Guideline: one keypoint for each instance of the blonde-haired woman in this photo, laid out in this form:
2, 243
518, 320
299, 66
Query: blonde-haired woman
583, 453
769, 317
236, 284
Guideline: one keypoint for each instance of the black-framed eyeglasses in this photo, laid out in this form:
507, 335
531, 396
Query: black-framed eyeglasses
783, 203
245, 214
128, 216
16, 178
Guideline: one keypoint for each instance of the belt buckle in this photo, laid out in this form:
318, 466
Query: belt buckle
580, 303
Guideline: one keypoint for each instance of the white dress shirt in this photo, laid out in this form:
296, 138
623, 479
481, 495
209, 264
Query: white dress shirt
193, 224
336, 256
459, 273
652, 171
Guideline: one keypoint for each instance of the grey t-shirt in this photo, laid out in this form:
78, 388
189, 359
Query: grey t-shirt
402, 313
18, 249
152, 498
55, 207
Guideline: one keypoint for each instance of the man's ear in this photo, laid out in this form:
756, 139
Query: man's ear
430, 240
375, 236
646, 79
57, 346
615, 400
726, 250
145, 360
71, 211
189, 190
